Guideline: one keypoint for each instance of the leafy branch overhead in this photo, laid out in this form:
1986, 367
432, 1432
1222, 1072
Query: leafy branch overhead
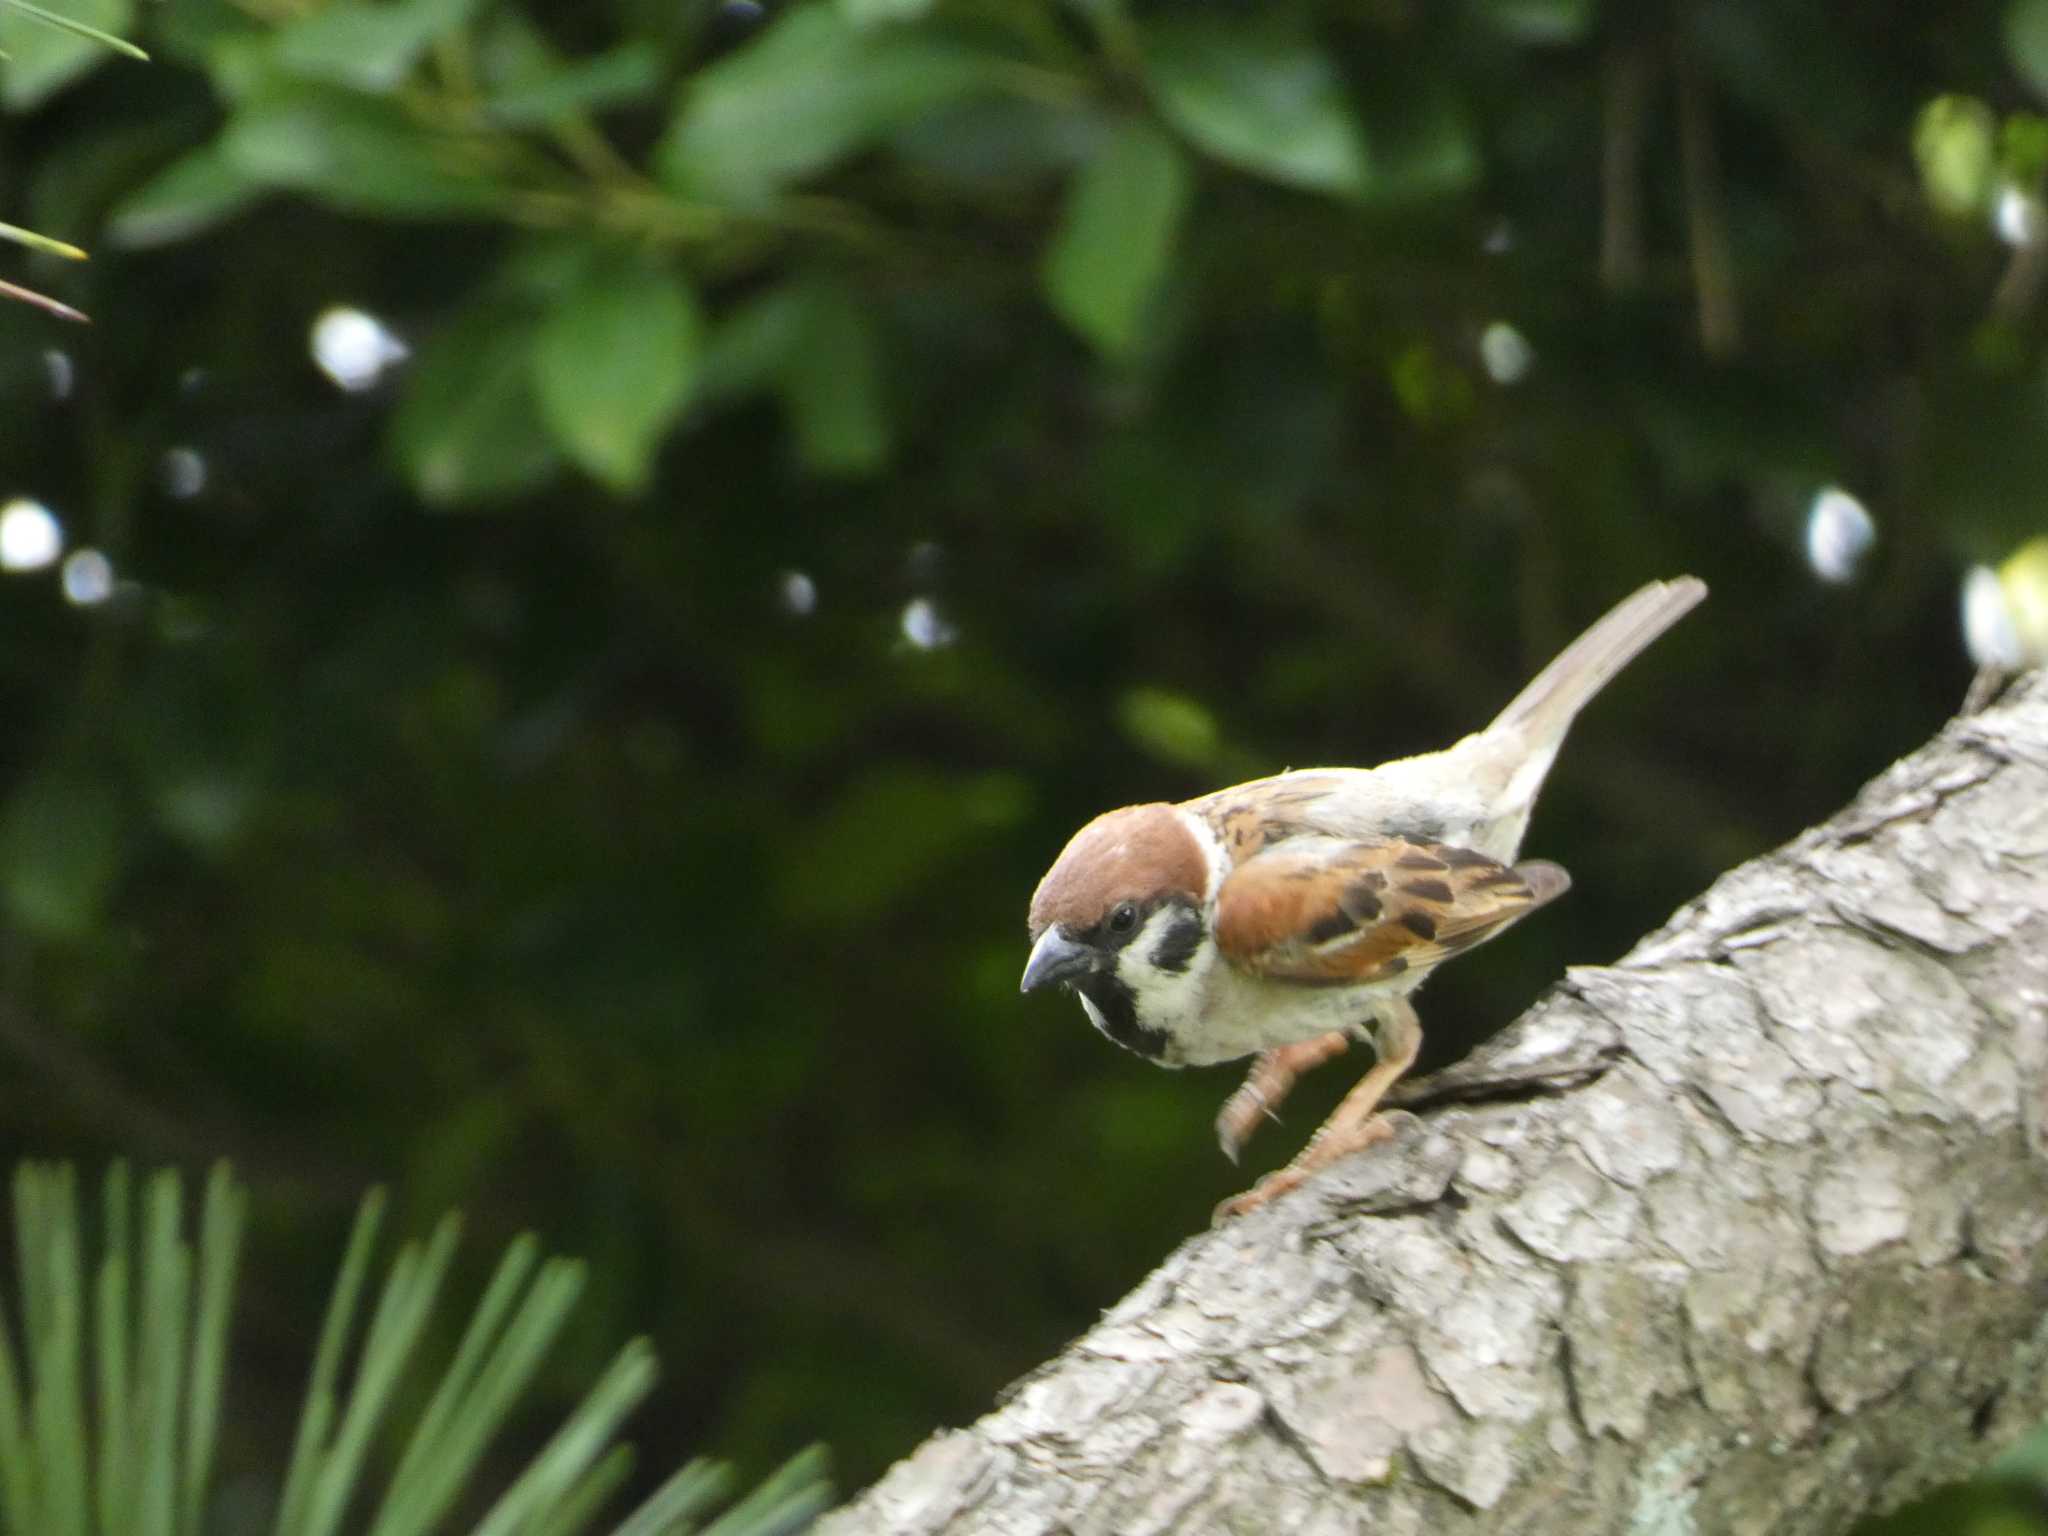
730, 265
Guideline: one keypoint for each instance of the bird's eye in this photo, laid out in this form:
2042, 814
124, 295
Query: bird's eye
1124, 918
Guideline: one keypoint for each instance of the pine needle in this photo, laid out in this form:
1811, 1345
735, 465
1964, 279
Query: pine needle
793, 1495
114, 1298
318, 1412
44, 243
72, 24
43, 301
220, 1241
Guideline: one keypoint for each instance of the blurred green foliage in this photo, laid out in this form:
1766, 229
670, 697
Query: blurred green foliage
591, 770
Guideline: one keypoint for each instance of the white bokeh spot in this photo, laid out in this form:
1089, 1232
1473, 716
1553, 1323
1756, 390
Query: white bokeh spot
1839, 533
1989, 633
88, 578
797, 593
30, 535
1505, 353
354, 348
924, 626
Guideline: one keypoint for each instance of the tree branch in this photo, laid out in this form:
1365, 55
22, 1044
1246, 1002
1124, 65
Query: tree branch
1746, 1232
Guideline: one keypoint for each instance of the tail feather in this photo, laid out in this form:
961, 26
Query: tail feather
1543, 711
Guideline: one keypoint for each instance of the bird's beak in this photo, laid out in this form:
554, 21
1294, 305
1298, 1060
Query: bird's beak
1055, 957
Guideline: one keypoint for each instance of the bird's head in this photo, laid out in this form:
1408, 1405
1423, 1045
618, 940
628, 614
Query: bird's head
1118, 918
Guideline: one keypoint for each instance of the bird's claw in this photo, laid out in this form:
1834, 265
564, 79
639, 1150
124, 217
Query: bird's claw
1268, 1189
1240, 1116
1317, 1155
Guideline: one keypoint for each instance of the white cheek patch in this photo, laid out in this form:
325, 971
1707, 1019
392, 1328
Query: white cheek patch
1095, 1015
1167, 999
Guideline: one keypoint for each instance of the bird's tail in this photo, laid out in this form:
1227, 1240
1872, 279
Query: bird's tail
1542, 712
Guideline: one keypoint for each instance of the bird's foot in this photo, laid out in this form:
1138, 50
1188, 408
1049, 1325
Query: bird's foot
1241, 1114
1267, 1085
1324, 1150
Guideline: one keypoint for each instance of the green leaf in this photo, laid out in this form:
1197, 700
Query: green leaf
879, 13
810, 89
1424, 146
60, 851
368, 46
2026, 41
996, 144
832, 385
1541, 21
2023, 148
56, 42
618, 78
888, 831
752, 343
1955, 143
1171, 726
468, 428
187, 197
613, 364
190, 30
1258, 98
1116, 237
355, 153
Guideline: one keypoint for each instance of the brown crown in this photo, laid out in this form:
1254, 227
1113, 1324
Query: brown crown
1133, 854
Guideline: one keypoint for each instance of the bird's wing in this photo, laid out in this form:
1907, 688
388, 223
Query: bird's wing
1327, 912
1403, 799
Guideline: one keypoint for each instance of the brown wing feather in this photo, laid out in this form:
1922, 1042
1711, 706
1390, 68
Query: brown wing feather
1326, 912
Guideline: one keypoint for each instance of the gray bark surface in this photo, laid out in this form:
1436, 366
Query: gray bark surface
1747, 1232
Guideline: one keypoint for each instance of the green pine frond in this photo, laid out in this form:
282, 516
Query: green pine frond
125, 1446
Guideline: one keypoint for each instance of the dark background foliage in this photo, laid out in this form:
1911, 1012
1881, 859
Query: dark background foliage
594, 775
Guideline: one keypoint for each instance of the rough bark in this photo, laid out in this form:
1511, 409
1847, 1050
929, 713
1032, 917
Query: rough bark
1745, 1233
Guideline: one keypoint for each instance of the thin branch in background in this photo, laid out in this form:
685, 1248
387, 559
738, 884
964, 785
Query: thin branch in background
1631, 73
1713, 270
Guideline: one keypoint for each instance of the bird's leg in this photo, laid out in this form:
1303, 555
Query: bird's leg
1267, 1085
1355, 1124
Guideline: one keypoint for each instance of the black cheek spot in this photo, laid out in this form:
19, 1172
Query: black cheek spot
1395, 966
1421, 924
1428, 890
1177, 946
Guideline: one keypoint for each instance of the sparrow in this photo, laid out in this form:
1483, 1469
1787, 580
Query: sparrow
1289, 917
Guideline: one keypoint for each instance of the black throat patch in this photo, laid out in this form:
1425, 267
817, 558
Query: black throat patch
1118, 1010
